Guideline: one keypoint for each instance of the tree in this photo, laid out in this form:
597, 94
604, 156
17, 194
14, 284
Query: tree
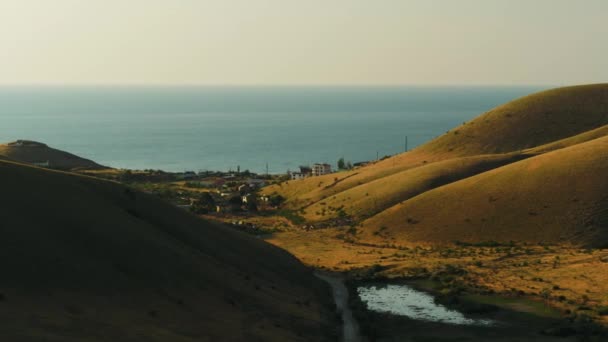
206, 200
349, 165
341, 164
235, 202
276, 200
204, 205
252, 204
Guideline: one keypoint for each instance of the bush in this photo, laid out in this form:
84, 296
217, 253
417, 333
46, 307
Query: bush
603, 311
276, 200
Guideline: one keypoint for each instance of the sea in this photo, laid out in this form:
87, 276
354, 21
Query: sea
274, 129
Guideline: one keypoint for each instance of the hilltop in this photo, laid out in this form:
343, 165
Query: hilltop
388, 194
36, 153
528, 122
84, 259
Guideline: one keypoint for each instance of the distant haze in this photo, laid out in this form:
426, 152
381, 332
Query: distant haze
321, 42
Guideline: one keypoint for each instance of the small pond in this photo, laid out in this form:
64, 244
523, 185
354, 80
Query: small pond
403, 300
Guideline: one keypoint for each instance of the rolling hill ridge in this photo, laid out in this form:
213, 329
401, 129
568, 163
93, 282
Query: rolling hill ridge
561, 131
558, 197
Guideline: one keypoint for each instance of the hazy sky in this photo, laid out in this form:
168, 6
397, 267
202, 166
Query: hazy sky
304, 41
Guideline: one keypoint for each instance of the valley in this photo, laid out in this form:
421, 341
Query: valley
503, 219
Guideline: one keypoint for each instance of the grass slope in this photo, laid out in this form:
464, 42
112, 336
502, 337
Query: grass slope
530, 121
577, 139
34, 152
89, 260
557, 197
373, 197
524, 124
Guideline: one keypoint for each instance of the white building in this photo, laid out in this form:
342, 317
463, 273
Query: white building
297, 175
305, 171
321, 169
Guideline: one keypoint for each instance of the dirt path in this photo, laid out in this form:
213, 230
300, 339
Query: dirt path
351, 327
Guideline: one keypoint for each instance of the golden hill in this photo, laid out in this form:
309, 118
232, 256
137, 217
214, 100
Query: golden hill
89, 260
524, 128
32, 152
557, 197
570, 141
528, 122
516, 127
373, 197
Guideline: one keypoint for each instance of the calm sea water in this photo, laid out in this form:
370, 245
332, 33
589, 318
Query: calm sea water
220, 128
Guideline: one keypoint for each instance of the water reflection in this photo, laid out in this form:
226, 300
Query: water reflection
404, 301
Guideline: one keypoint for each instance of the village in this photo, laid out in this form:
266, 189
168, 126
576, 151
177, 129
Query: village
232, 197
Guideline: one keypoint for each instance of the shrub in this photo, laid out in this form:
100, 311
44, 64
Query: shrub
603, 311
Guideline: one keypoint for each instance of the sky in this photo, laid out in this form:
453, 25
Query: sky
304, 42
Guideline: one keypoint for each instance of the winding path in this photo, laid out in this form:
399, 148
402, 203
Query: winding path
350, 326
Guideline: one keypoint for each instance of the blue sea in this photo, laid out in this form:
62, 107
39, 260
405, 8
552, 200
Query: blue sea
222, 128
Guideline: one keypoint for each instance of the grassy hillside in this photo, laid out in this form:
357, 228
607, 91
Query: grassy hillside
530, 121
557, 197
89, 260
577, 139
540, 119
373, 197
29, 152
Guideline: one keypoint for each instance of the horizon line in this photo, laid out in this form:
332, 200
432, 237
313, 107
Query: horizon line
284, 85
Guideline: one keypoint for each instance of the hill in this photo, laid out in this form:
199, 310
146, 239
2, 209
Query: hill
373, 197
32, 152
522, 129
518, 126
89, 260
557, 197
528, 122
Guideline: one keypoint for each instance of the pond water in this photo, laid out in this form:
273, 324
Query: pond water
403, 300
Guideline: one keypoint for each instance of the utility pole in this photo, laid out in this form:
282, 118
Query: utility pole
266, 168
377, 155
405, 144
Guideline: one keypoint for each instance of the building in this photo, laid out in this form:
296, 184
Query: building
305, 171
248, 198
321, 169
297, 175
243, 188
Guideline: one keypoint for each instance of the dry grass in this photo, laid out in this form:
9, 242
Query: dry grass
571, 141
528, 122
565, 277
373, 197
555, 197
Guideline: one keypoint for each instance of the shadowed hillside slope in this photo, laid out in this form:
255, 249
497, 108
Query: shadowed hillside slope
89, 260
557, 197
523, 124
31, 152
